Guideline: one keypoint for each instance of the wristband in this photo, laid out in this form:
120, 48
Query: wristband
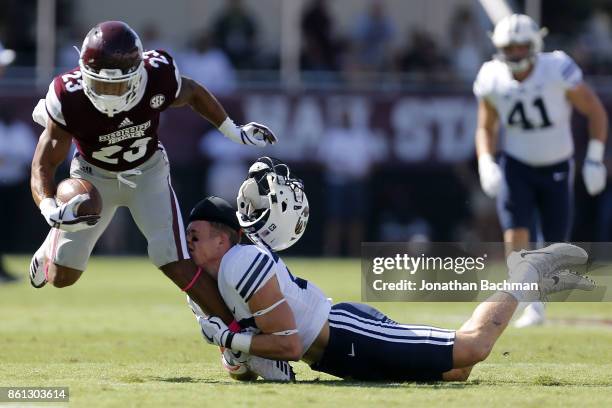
595, 150
47, 204
230, 130
241, 342
235, 327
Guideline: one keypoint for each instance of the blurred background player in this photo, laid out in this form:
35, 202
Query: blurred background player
16, 148
110, 106
346, 181
529, 94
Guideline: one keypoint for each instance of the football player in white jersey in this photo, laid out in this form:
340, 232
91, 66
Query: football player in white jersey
288, 318
530, 94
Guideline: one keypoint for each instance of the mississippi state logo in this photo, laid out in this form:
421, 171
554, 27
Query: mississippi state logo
157, 101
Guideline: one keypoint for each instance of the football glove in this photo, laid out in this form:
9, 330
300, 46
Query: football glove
594, 175
256, 134
64, 216
252, 133
594, 172
490, 175
217, 332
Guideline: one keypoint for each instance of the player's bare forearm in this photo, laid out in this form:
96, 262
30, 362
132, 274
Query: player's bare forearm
486, 128
287, 348
52, 148
201, 101
586, 101
273, 315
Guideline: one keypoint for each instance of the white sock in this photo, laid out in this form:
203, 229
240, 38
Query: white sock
524, 273
44, 248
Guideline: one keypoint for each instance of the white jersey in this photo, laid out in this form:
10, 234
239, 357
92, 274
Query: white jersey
246, 268
535, 113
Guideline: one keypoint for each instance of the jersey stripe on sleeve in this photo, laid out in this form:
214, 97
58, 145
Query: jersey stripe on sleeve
258, 269
248, 270
262, 277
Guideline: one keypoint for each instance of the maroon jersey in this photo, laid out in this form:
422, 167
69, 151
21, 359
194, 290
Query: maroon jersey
127, 139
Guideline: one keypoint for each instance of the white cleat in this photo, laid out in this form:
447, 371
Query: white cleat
271, 370
246, 367
533, 315
550, 259
565, 280
38, 277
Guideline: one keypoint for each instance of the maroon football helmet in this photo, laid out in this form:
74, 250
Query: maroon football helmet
112, 67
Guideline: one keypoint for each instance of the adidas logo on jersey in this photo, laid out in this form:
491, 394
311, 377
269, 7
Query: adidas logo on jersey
125, 122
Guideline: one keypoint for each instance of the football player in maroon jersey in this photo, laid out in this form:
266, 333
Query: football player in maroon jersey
109, 106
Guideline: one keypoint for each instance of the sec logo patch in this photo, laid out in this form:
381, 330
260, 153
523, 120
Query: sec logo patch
157, 101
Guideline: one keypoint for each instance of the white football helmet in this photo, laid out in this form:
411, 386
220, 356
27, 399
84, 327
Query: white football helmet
272, 205
518, 29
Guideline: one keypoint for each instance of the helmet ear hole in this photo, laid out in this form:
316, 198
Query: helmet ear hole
284, 206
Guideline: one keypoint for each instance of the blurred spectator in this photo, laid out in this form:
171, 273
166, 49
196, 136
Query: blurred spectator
372, 34
348, 155
421, 55
593, 49
209, 65
17, 144
151, 39
604, 210
235, 32
69, 47
6, 58
320, 49
467, 44
228, 165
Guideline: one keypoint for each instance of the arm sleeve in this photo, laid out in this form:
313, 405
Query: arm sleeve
570, 73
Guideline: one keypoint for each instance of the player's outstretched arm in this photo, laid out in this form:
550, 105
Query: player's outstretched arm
588, 103
201, 101
204, 103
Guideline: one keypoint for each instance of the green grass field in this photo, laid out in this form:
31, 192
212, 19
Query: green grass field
124, 336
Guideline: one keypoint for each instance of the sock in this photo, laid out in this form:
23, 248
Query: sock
44, 248
523, 273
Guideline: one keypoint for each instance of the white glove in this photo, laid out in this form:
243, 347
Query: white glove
594, 172
64, 216
257, 134
217, 332
490, 175
250, 134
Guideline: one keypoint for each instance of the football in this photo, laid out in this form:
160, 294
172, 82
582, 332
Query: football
71, 187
